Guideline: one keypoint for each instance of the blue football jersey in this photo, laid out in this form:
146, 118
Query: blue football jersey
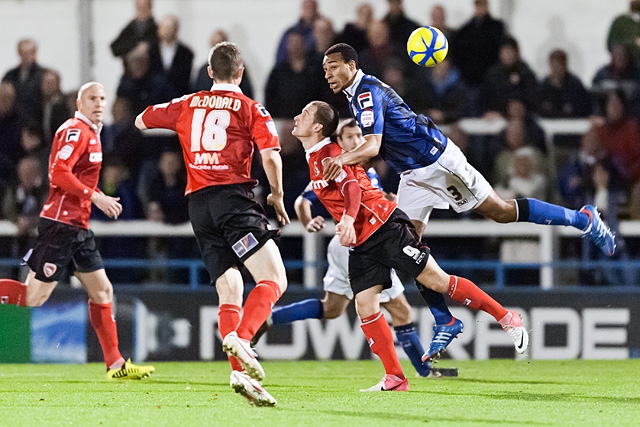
409, 140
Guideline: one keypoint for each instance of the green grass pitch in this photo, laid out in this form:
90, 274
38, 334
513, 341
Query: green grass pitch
309, 393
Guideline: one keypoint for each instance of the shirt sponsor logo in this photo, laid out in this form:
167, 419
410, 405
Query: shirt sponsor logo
365, 100
366, 118
207, 158
73, 135
244, 245
65, 152
95, 157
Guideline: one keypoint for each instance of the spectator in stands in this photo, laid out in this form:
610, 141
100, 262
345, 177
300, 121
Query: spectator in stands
26, 79
203, 81
294, 83
438, 16
524, 179
168, 204
510, 78
324, 35
122, 137
176, 57
518, 109
446, 94
140, 84
400, 26
32, 144
625, 30
374, 59
415, 95
575, 176
10, 133
115, 182
619, 135
23, 200
621, 72
513, 137
355, 33
308, 14
142, 28
477, 46
55, 110
562, 93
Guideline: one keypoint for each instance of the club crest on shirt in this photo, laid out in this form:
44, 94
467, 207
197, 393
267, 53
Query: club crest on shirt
49, 269
366, 118
73, 135
365, 100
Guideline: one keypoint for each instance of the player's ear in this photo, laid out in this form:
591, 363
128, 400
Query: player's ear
209, 71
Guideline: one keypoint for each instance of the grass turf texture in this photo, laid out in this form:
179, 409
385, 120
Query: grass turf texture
487, 393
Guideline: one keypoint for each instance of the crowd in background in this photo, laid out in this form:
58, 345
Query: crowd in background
483, 76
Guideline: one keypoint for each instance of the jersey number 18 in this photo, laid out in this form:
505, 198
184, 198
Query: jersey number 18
213, 135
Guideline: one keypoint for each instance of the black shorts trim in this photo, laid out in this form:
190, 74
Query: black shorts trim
394, 245
229, 226
62, 248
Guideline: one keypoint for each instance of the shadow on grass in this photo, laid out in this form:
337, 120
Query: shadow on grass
376, 417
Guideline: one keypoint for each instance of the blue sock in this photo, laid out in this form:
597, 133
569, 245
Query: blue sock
410, 341
437, 305
307, 309
539, 212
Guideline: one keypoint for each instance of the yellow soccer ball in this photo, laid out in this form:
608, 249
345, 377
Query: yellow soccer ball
427, 46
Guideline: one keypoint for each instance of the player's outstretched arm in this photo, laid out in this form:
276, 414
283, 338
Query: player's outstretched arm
303, 211
107, 204
272, 164
361, 154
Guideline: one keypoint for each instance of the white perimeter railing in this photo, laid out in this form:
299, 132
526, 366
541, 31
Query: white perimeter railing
313, 248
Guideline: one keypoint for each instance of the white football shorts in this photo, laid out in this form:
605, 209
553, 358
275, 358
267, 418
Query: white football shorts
450, 181
337, 278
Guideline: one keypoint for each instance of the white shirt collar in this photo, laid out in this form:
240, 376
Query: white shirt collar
226, 86
350, 91
318, 146
96, 127
167, 52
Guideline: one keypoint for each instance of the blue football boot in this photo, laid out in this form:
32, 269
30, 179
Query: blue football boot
442, 337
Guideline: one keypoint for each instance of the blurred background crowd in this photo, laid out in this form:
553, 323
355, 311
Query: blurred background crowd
484, 76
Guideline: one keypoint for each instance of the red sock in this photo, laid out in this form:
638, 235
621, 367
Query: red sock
465, 291
258, 307
228, 320
378, 334
104, 323
13, 292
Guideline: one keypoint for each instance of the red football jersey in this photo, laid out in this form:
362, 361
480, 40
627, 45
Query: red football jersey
374, 210
74, 171
217, 130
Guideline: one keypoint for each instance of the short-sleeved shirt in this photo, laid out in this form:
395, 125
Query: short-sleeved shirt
217, 131
409, 141
374, 208
74, 171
